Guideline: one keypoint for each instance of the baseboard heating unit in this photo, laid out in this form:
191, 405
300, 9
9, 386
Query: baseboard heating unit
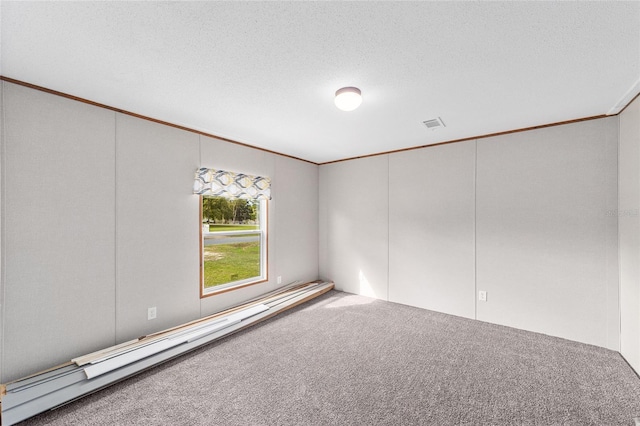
29, 396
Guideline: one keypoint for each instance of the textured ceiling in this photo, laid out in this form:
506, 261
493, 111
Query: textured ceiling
264, 73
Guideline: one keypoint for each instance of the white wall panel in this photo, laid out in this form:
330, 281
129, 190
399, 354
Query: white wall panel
355, 224
59, 227
629, 233
158, 227
431, 228
295, 193
546, 238
218, 154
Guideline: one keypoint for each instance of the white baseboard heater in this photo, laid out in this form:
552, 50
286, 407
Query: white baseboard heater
27, 397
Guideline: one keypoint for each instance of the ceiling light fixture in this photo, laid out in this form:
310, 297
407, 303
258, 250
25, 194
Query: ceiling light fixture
348, 98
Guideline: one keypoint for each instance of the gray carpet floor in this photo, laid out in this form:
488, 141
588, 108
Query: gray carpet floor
350, 360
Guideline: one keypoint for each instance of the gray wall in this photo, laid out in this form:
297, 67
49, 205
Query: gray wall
524, 218
99, 223
527, 217
431, 228
156, 226
354, 213
296, 237
58, 229
629, 233
546, 245
1, 221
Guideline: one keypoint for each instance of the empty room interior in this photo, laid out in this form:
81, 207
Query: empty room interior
318, 213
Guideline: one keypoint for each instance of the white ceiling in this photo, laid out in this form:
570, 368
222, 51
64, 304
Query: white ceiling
264, 73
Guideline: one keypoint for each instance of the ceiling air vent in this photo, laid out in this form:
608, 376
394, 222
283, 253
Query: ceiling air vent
434, 124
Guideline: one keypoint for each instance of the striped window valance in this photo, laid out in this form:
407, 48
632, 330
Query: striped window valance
231, 185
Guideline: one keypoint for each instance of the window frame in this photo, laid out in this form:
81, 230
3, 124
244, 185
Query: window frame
264, 254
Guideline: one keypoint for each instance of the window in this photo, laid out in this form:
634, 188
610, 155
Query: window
233, 243
233, 219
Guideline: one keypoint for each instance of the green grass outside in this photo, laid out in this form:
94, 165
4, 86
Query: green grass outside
225, 263
216, 228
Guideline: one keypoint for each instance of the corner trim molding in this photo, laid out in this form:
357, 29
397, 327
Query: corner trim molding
626, 99
489, 135
611, 113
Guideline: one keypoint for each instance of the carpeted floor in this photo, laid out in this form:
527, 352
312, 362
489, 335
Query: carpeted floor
350, 360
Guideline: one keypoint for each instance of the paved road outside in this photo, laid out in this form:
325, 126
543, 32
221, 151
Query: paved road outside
213, 241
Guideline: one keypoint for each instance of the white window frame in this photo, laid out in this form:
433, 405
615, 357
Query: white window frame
264, 240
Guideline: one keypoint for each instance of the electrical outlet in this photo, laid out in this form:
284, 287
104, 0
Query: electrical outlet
151, 313
482, 296
279, 280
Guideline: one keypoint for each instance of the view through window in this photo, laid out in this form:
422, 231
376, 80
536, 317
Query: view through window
233, 243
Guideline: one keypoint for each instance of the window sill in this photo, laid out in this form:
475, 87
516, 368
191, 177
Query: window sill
213, 292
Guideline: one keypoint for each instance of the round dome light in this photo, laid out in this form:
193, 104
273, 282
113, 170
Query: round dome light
348, 98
